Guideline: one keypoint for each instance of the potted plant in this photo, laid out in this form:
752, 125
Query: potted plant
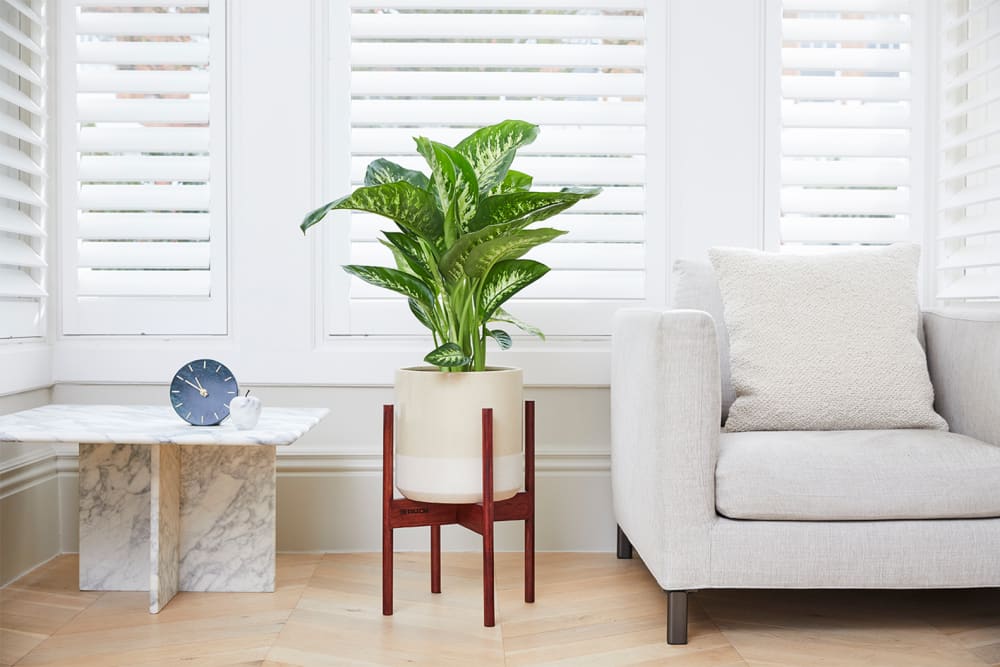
460, 235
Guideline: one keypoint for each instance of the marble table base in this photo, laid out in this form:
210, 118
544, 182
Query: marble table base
168, 518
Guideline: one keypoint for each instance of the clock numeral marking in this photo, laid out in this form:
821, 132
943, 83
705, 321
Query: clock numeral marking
226, 407
175, 391
187, 416
231, 392
178, 405
204, 364
218, 367
180, 378
203, 419
228, 378
190, 369
216, 414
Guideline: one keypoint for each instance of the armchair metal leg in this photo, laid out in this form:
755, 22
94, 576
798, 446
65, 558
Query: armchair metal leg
624, 546
677, 617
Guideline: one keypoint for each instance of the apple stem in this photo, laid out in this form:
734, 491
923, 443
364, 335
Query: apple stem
246, 394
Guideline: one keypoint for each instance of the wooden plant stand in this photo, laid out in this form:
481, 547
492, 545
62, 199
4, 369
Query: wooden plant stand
477, 517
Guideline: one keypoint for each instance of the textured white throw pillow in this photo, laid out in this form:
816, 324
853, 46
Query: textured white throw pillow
825, 342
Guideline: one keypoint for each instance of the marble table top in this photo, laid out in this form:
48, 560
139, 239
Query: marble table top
150, 425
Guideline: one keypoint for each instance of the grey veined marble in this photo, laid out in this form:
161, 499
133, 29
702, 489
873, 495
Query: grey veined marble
168, 507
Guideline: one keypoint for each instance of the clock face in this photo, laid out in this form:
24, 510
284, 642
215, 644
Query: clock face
201, 390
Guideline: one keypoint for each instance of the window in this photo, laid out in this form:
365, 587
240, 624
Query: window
143, 166
22, 169
850, 131
969, 217
441, 68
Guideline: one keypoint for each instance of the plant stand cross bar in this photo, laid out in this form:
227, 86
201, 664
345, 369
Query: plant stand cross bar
477, 517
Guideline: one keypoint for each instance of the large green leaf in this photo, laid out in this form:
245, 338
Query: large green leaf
448, 355
382, 171
410, 207
393, 279
455, 186
491, 149
502, 315
420, 312
526, 207
506, 279
412, 253
482, 258
514, 181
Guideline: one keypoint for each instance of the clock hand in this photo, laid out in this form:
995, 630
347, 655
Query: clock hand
201, 390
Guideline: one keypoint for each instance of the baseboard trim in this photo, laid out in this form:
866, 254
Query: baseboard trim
23, 472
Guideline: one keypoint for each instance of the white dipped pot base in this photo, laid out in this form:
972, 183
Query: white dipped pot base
438, 433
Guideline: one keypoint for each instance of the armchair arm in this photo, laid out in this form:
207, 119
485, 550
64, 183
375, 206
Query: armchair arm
963, 357
665, 413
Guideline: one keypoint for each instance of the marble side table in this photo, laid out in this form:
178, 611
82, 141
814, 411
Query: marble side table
165, 506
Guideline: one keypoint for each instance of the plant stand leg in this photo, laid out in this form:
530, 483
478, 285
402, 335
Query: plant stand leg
677, 617
489, 615
529, 488
436, 558
387, 436
624, 546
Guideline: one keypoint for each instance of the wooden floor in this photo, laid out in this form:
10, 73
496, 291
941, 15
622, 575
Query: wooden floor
591, 609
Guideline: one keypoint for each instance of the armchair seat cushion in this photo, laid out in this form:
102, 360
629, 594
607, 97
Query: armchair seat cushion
856, 476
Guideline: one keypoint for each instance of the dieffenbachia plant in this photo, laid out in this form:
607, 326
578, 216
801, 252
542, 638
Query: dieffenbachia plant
461, 234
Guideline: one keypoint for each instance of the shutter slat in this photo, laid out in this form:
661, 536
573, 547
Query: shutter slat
557, 284
14, 252
954, 112
142, 81
844, 202
148, 255
20, 130
143, 140
19, 68
19, 191
963, 227
144, 226
101, 108
20, 37
475, 113
495, 26
866, 172
16, 97
970, 197
841, 114
15, 284
144, 197
508, 5
963, 138
971, 287
971, 257
18, 222
141, 3
886, 31
806, 229
558, 140
495, 84
143, 168
856, 60
848, 143
30, 13
876, 89
117, 24
952, 51
15, 159
872, 6
964, 168
528, 56
600, 227
143, 53
971, 75
143, 283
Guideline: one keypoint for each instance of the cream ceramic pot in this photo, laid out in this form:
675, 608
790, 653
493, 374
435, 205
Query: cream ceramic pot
439, 433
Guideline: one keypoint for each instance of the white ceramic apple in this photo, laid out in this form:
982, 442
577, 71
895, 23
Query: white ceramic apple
245, 411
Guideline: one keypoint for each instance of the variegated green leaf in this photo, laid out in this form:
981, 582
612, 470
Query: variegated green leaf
410, 207
411, 252
420, 312
453, 261
526, 207
382, 171
455, 185
514, 181
490, 150
502, 315
506, 279
448, 355
393, 279
482, 258
502, 338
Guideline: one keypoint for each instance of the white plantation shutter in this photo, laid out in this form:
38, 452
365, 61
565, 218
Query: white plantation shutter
144, 167
848, 125
969, 217
22, 168
441, 69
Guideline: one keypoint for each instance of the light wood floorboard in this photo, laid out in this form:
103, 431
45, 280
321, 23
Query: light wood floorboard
590, 610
